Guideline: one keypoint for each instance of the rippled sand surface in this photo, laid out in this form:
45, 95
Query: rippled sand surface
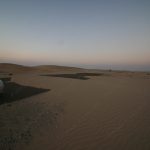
102, 113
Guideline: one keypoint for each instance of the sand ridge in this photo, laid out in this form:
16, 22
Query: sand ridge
14, 68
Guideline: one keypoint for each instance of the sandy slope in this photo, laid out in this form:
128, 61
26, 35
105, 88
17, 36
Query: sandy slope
109, 112
14, 68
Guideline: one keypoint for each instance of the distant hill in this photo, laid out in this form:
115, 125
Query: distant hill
14, 68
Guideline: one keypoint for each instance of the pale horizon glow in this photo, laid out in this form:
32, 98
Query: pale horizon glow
89, 34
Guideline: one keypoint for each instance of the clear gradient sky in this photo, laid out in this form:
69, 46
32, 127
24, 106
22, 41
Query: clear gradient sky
84, 33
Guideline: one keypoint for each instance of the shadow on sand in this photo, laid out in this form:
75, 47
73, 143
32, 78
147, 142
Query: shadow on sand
14, 92
80, 76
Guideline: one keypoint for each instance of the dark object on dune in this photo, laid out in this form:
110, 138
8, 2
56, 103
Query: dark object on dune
80, 76
4, 79
14, 92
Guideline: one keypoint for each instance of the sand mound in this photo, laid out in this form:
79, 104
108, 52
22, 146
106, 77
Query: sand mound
14, 68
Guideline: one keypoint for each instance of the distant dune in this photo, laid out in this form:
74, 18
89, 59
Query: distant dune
14, 68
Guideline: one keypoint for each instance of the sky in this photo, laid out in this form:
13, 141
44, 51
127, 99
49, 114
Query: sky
101, 34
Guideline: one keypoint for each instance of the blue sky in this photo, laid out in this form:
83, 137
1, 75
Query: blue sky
84, 33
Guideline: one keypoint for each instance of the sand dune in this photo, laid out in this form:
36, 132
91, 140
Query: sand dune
14, 68
106, 112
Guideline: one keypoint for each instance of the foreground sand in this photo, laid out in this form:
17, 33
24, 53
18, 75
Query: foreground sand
109, 112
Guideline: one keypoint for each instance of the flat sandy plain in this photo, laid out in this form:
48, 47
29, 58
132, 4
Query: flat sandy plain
106, 112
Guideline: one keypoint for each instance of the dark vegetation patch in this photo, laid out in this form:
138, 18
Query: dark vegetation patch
14, 92
80, 76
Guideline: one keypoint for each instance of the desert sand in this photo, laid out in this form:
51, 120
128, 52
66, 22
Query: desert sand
48, 111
